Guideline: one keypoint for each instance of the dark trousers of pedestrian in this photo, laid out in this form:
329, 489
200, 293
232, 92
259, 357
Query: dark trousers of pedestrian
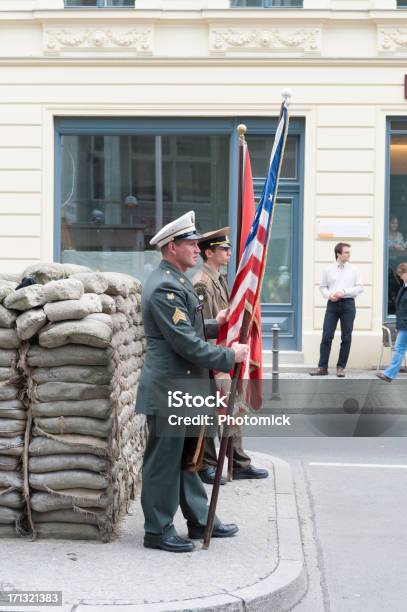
240, 459
165, 486
343, 311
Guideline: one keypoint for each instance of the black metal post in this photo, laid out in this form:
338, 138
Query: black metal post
275, 373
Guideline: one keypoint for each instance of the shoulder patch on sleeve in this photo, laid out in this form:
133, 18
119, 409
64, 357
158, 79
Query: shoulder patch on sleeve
178, 316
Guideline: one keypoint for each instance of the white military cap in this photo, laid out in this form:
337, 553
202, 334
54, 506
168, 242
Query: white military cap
182, 228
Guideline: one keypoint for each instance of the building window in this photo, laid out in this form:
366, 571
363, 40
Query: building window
401, 3
397, 209
267, 3
99, 3
117, 191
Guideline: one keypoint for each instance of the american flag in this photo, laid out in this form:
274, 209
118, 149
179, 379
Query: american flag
246, 288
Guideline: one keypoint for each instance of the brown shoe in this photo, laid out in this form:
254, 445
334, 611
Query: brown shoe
340, 372
383, 376
319, 372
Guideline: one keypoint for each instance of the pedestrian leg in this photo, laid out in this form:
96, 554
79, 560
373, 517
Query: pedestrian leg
328, 332
347, 317
400, 349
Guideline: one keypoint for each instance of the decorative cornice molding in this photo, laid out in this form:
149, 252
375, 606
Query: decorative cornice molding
392, 40
276, 40
117, 39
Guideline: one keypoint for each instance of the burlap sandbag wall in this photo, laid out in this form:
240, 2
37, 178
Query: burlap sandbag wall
80, 348
13, 417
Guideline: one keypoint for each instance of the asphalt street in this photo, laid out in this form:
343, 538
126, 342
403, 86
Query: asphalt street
351, 495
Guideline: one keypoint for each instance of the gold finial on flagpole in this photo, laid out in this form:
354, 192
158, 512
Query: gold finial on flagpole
242, 129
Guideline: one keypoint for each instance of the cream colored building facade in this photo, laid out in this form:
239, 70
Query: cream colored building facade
344, 61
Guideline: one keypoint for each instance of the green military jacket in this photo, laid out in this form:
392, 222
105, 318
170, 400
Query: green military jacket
213, 287
174, 331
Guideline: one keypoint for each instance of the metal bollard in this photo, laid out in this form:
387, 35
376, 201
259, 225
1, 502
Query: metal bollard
275, 392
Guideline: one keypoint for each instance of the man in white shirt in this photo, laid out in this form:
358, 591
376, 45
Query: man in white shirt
340, 284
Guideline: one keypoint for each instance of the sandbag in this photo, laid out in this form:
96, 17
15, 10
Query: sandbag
51, 391
14, 409
26, 298
8, 515
67, 355
68, 443
63, 289
8, 358
73, 309
75, 425
30, 322
93, 282
66, 479
54, 463
68, 531
12, 446
9, 463
92, 516
8, 374
8, 392
108, 304
102, 317
7, 317
94, 375
98, 409
70, 269
7, 531
11, 499
9, 428
44, 272
9, 339
87, 498
91, 333
121, 284
11, 479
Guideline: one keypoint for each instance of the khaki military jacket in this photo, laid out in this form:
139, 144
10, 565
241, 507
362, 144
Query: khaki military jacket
213, 287
174, 330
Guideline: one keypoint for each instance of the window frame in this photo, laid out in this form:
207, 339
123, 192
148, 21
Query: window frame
268, 4
388, 318
99, 5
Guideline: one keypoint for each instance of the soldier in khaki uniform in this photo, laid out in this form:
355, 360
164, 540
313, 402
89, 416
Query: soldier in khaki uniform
177, 356
211, 285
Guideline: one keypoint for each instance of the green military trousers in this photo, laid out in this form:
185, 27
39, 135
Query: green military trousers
165, 486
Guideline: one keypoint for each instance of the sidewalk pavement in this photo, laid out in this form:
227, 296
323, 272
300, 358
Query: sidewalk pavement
261, 569
351, 374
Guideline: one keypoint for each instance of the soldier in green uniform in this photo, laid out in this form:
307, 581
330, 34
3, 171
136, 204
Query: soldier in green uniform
176, 351
211, 284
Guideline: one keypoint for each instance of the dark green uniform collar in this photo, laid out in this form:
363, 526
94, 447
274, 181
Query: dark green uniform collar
184, 280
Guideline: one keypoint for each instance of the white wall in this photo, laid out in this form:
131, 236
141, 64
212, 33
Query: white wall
346, 70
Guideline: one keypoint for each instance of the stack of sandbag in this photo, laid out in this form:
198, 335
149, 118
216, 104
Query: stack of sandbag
82, 368
13, 418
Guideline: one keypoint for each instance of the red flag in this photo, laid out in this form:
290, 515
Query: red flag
252, 372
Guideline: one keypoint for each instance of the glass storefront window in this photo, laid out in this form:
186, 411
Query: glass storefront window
278, 276
118, 190
260, 148
397, 221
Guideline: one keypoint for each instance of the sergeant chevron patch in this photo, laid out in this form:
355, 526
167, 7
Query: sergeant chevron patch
178, 316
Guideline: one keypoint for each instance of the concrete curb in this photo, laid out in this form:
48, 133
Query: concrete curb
278, 591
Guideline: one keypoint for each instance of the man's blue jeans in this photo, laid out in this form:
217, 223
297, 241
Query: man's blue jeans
398, 355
